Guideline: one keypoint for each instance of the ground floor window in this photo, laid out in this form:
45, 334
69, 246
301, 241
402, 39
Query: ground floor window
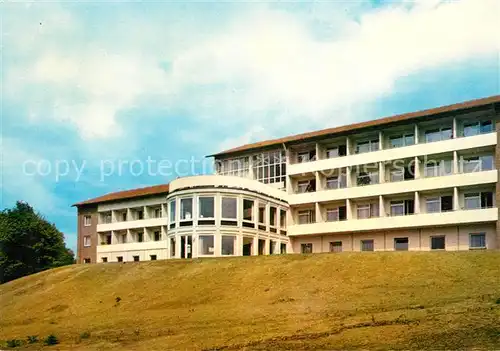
206, 244
136, 258
367, 245
477, 241
119, 258
283, 248
227, 244
104, 259
401, 244
152, 257
86, 260
438, 242
336, 246
306, 248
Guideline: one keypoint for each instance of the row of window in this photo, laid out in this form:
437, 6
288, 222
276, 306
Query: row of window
435, 204
122, 239
122, 216
438, 242
401, 140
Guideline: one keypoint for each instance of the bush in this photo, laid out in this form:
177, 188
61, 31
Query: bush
32, 339
85, 335
51, 340
13, 343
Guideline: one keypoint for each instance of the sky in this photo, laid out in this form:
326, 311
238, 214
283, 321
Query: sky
104, 96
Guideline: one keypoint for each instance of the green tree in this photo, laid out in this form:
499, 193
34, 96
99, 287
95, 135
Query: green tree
29, 244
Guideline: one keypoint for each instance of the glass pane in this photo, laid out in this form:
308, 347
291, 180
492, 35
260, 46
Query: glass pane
172, 211
471, 129
477, 240
262, 213
187, 208
438, 243
432, 135
433, 205
227, 247
248, 210
331, 153
396, 142
397, 176
229, 207
397, 209
332, 215
471, 165
272, 215
446, 134
206, 245
362, 147
336, 246
401, 244
332, 183
282, 218
487, 163
409, 139
367, 245
363, 212
486, 127
472, 201
206, 207
374, 145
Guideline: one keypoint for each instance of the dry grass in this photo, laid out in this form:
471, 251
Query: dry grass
326, 301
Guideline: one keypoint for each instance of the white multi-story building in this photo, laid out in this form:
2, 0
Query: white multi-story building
426, 180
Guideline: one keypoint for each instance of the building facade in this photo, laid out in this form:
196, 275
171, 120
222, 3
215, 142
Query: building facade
427, 180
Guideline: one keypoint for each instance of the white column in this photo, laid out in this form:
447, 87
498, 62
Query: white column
456, 200
381, 206
349, 209
417, 202
146, 212
319, 152
129, 235
455, 162
417, 167
380, 140
455, 131
289, 185
348, 176
416, 134
319, 215
348, 146
255, 246
251, 174
129, 215
267, 250
381, 172
319, 181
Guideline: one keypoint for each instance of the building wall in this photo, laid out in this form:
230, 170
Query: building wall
88, 252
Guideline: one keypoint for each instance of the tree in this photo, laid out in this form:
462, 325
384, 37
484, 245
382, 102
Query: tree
29, 244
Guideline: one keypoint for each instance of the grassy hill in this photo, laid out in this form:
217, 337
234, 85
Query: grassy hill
327, 301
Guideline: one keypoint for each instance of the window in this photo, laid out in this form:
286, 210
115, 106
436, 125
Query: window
106, 217
477, 164
262, 213
283, 219
336, 151
140, 237
119, 259
87, 260
306, 156
439, 204
272, 216
124, 216
172, 247
172, 213
229, 207
402, 207
248, 210
124, 238
270, 167
367, 146
206, 207
206, 244
157, 213
227, 245
367, 178
367, 245
104, 259
438, 168
152, 257
140, 214
332, 214
87, 221
157, 236
336, 246
306, 217
136, 258
477, 241
108, 239
306, 186
438, 242
401, 244
478, 200
239, 167
402, 140
438, 134
397, 175
367, 211
86, 241
186, 209
477, 128
306, 248
336, 182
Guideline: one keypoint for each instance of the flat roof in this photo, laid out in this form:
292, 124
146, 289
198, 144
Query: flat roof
126, 194
356, 126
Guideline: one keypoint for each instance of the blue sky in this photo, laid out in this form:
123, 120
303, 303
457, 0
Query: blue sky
90, 84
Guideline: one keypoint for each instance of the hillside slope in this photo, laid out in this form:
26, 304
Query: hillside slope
324, 301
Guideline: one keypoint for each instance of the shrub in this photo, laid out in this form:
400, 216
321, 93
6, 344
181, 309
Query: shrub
51, 340
32, 339
13, 343
85, 335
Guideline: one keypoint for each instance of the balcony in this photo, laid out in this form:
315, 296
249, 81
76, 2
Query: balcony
420, 184
146, 245
385, 223
421, 149
142, 223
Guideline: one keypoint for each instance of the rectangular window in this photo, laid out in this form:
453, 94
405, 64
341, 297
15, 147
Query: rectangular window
306, 217
229, 207
433, 204
478, 164
270, 167
157, 236
152, 257
272, 216
303, 157
472, 201
136, 258
282, 219
119, 258
477, 128
87, 221
157, 213
248, 210
206, 207
239, 167
438, 242
332, 214
335, 182
206, 244
87, 260
140, 237
367, 245
306, 248
477, 241
262, 213
402, 140
172, 247
367, 146
367, 178
186, 209
401, 244
367, 211
336, 246
227, 245
438, 134
397, 208
332, 153
439, 168
172, 211
107, 218
306, 186
397, 175
140, 214
86, 241
124, 216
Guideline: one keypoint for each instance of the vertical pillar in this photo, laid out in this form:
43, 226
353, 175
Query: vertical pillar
348, 176
456, 200
255, 246
455, 163
381, 206
319, 152
251, 173
455, 134
380, 140
417, 202
129, 215
349, 209
348, 146
319, 215
319, 181
267, 250
381, 172
289, 185
417, 167
417, 137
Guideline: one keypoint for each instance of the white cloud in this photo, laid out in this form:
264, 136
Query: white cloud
260, 61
